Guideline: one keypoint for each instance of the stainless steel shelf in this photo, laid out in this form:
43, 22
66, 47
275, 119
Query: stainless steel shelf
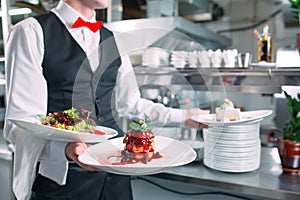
247, 80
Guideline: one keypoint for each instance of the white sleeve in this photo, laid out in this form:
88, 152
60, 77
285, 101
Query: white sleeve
26, 87
26, 90
130, 105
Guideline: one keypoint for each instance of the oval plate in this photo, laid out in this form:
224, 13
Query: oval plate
52, 133
245, 117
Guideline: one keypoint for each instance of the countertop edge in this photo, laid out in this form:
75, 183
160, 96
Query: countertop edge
230, 187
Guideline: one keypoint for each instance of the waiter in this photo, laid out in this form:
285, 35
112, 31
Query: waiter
61, 59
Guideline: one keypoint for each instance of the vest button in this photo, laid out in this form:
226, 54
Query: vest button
101, 119
94, 82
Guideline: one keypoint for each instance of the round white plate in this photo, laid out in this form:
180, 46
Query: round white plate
51, 133
233, 168
217, 149
238, 145
233, 162
106, 156
232, 129
236, 128
221, 155
231, 136
235, 143
245, 117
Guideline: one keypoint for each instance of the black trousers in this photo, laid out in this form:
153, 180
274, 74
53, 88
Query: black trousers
83, 185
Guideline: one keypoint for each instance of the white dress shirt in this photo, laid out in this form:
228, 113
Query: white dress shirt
27, 98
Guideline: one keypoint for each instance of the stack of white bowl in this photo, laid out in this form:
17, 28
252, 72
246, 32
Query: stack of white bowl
179, 58
155, 57
232, 148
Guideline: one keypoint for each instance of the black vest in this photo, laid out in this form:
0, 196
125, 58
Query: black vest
70, 80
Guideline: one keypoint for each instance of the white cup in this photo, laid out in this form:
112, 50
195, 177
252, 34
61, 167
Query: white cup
230, 57
244, 59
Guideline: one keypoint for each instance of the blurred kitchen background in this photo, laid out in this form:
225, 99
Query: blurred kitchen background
234, 20
166, 40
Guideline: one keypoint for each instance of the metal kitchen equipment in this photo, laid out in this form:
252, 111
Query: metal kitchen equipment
171, 33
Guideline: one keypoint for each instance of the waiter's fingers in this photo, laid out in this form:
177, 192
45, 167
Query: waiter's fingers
193, 124
73, 150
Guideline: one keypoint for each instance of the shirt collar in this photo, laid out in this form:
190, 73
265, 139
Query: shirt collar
69, 15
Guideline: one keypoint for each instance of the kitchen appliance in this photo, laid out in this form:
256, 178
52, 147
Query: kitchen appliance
171, 33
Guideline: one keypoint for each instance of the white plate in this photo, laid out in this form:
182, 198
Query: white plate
229, 136
237, 128
218, 141
245, 117
238, 145
224, 149
233, 168
211, 130
237, 138
106, 156
233, 162
51, 133
263, 64
221, 155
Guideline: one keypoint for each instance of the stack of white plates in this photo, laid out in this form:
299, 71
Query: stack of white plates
232, 148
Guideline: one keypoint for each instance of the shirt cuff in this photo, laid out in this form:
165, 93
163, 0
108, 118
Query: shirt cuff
57, 151
54, 151
54, 158
177, 117
50, 170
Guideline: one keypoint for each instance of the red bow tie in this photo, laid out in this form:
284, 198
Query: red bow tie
95, 26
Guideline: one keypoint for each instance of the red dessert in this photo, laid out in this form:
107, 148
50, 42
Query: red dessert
139, 143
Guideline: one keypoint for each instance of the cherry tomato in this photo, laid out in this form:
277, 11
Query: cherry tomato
98, 132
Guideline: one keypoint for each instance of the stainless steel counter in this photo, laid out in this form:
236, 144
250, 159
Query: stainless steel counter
267, 182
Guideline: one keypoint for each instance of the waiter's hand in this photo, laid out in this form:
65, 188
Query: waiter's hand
191, 123
73, 150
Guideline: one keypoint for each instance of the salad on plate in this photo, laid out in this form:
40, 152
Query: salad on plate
72, 120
